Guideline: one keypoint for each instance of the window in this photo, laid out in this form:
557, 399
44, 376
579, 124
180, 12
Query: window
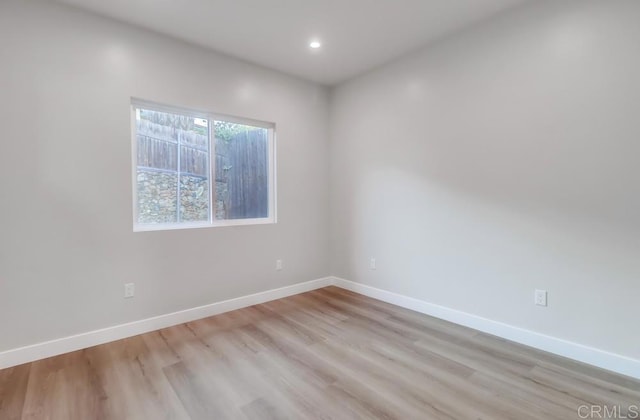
196, 169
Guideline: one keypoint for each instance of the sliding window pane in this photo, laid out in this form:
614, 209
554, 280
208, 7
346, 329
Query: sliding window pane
242, 171
172, 168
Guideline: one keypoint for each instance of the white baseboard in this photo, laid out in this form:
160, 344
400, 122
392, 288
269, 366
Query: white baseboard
46, 349
596, 357
592, 356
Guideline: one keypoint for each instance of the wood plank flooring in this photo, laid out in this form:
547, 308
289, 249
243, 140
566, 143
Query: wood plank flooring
326, 354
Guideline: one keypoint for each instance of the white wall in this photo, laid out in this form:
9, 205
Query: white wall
498, 161
66, 244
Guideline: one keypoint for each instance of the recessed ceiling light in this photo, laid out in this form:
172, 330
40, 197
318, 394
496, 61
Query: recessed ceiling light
315, 44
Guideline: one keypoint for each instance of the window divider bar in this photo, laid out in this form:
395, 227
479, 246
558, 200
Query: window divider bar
178, 215
212, 171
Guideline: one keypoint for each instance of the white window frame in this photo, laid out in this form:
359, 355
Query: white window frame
210, 117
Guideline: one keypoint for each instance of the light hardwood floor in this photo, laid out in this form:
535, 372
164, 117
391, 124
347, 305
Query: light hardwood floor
326, 354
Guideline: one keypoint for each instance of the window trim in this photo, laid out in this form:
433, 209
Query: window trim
210, 117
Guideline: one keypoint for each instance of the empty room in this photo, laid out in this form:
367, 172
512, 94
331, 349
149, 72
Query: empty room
295, 209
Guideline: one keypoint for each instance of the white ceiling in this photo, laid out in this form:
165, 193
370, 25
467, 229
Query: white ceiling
356, 35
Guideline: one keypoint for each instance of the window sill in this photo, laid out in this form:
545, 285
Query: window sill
196, 225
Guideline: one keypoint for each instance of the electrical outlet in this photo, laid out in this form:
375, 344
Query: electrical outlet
372, 263
541, 297
129, 290
279, 265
